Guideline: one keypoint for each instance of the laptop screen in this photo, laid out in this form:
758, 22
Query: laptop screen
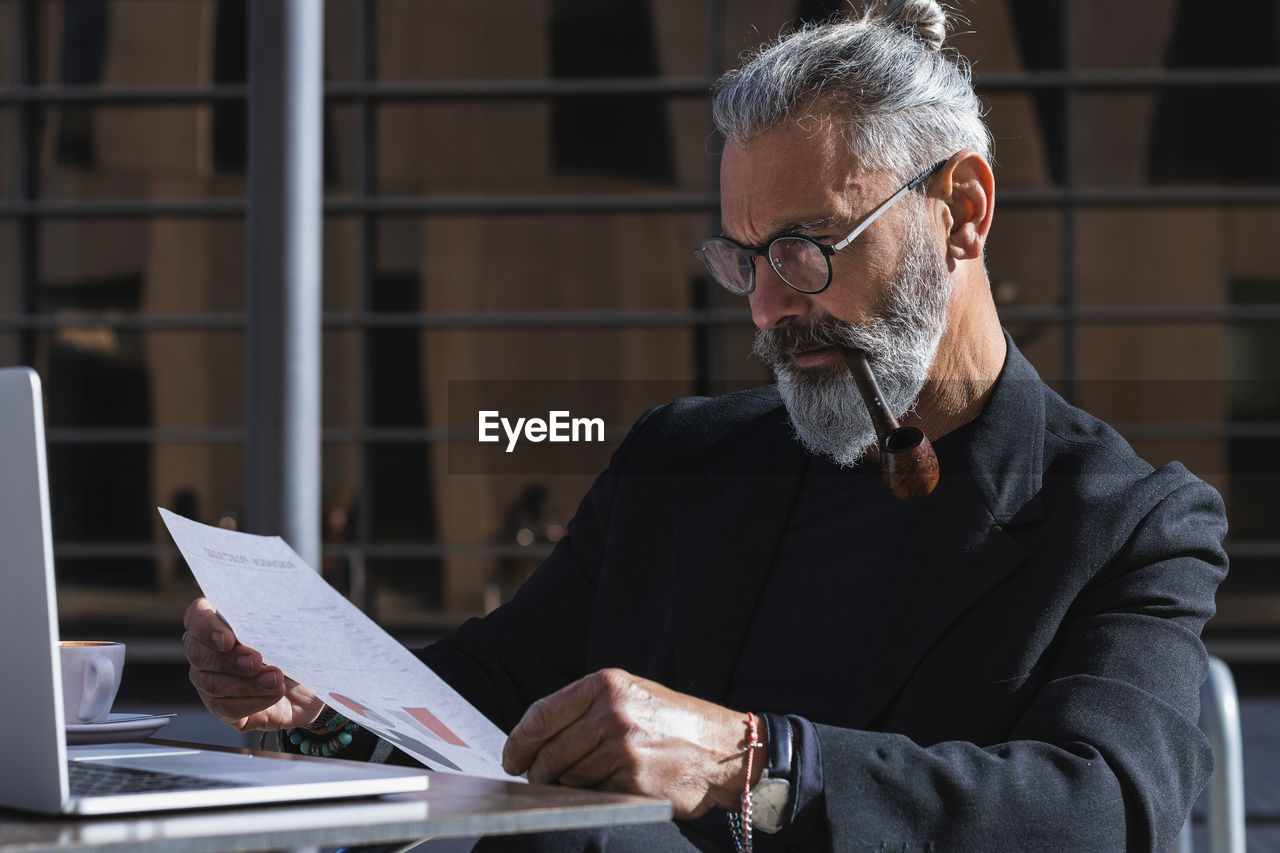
29, 664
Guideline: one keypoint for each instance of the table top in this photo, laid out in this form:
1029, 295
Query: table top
452, 806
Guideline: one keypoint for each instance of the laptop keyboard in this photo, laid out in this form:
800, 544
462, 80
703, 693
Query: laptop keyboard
90, 778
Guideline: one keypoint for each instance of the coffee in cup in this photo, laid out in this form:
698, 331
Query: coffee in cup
91, 673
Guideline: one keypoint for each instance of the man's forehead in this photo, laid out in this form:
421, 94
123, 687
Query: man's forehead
791, 176
817, 147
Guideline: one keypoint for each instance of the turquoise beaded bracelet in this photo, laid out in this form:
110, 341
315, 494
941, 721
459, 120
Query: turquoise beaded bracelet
326, 737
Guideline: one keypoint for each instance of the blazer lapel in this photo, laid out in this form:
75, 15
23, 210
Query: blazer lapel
958, 553
962, 548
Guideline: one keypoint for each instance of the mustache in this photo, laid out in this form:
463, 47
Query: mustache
774, 345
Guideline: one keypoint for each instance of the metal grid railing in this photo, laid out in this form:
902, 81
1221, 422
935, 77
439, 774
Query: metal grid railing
25, 208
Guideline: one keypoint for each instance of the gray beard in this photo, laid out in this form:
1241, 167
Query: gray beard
900, 340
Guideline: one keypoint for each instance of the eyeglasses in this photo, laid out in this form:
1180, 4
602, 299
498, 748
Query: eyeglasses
801, 262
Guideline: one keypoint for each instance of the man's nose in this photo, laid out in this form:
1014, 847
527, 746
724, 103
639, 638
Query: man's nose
774, 301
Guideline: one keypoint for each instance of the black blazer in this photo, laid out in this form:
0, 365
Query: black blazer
1035, 686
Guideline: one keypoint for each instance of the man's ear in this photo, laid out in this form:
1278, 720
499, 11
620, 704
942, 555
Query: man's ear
969, 189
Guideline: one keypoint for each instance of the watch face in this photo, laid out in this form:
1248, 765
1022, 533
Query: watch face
769, 804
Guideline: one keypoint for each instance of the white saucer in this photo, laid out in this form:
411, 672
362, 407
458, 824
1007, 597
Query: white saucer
116, 728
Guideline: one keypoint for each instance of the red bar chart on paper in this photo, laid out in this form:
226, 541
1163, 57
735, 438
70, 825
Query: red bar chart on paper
433, 725
282, 607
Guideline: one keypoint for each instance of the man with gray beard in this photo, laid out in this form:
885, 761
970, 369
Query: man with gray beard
900, 339
744, 621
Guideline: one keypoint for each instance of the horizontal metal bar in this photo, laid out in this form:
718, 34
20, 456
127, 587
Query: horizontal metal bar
1238, 314
498, 204
426, 434
112, 550
1125, 78
115, 95
211, 322
540, 319
621, 318
407, 550
1253, 548
236, 435
538, 88
1241, 650
410, 550
607, 202
1196, 431
1138, 196
144, 435
120, 208
709, 202
1118, 314
506, 203
1198, 314
533, 88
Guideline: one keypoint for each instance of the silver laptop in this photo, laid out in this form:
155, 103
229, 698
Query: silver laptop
39, 767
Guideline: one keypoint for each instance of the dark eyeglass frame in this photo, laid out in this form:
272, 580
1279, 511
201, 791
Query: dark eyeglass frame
827, 250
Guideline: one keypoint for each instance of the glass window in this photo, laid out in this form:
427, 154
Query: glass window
1176, 136
6, 149
192, 266
115, 565
508, 201
129, 150
1176, 34
1025, 257
6, 28
102, 375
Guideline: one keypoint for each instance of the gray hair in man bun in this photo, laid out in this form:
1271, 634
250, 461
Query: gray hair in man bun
901, 102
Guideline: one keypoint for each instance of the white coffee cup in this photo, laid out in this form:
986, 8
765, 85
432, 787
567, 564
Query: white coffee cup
91, 673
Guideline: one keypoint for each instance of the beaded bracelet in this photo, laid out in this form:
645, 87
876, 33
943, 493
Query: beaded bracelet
332, 732
740, 823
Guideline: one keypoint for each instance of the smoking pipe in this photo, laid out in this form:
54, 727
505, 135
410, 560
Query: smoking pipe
907, 461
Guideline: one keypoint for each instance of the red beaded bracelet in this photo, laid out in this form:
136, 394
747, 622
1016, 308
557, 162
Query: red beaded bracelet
740, 824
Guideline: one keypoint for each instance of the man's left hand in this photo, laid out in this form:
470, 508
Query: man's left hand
615, 731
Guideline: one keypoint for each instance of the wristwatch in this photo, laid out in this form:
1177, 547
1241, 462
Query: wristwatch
771, 796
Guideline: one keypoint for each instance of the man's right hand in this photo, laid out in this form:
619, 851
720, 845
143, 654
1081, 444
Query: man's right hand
234, 683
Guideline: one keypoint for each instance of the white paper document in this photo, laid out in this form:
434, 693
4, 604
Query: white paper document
280, 606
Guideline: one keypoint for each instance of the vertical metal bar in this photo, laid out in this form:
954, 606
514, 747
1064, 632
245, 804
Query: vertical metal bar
714, 333
23, 179
282, 476
1184, 844
1220, 719
361, 592
1071, 210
